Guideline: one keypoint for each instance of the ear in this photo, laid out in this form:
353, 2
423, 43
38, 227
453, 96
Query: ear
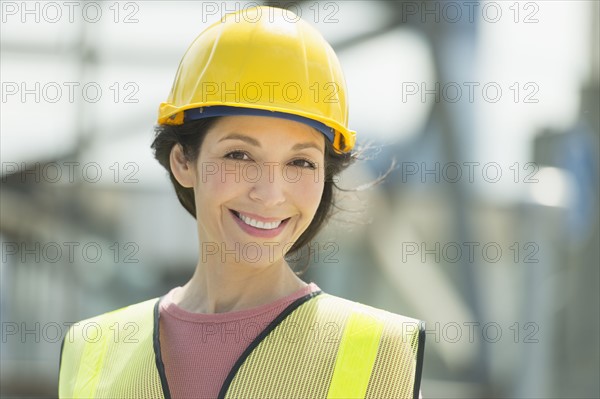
182, 169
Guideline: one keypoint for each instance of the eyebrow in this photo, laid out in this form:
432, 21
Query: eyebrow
256, 143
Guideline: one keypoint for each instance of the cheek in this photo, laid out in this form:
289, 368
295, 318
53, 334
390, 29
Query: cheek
214, 187
308, 192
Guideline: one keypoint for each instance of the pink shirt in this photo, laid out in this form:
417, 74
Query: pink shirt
199, 349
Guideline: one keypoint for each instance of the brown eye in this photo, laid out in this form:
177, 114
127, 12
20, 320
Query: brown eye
237, 155
303, 163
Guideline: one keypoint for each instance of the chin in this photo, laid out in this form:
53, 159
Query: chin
259, 255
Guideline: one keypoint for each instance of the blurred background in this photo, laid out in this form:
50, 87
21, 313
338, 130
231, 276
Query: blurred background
487, 228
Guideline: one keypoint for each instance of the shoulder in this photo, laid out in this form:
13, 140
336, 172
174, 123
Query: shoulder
88, 342
95, 328
392, 325
125, 313
343, 304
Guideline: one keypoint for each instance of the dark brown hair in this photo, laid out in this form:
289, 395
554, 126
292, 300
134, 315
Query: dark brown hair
190, 136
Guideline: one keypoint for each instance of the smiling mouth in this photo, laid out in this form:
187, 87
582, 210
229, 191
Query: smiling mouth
258, 224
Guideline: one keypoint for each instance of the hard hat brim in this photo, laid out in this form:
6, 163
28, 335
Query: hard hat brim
178, 115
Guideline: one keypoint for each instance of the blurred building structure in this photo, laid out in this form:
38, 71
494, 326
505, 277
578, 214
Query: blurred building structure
504, 269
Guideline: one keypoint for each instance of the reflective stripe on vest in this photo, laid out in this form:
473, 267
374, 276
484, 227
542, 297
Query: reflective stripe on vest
356, 357
320, 346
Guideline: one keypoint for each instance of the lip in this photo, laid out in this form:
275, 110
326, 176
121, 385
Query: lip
256, 232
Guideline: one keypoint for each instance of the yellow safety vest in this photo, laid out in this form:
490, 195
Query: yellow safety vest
320, 346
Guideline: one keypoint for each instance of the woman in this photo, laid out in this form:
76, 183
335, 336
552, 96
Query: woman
252, 135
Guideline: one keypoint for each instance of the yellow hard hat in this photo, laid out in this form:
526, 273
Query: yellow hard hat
262, 61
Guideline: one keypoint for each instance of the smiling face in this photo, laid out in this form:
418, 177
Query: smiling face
258, 182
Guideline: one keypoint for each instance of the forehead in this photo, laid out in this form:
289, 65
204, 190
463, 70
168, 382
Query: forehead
266, 130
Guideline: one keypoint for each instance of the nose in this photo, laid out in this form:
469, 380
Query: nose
269, 189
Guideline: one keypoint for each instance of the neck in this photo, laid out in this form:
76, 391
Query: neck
226, 287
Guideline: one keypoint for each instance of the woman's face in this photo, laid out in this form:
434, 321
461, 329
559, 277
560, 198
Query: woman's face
258, 183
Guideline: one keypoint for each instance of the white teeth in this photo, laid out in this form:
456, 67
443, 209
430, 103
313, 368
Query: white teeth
259, 225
